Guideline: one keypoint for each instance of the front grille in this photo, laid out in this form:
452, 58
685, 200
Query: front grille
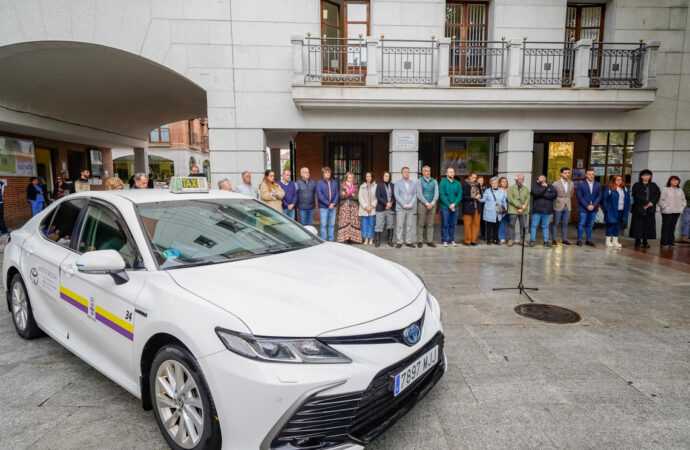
358, 417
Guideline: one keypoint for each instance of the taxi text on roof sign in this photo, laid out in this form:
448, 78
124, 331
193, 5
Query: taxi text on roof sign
180, 185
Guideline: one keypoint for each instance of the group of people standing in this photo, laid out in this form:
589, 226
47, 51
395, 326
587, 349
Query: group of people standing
402, 213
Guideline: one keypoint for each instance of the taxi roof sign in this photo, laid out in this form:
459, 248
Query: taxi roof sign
186, 185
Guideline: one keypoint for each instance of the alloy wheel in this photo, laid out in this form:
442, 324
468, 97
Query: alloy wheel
19, 306
179, 403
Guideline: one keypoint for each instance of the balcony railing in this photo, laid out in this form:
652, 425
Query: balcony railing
406, 61
477, 63
547, 63
441, 62
614, 63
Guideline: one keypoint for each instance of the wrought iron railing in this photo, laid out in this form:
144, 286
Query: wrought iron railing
405, 61
547, 63
477, 62
613, 63
336, 60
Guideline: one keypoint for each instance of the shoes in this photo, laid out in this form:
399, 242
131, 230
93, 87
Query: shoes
510, 242
503, 241
608, 241
566, 242
466, 244
638, 244
554, 242
390, 238
411, 245
497, 242
579, 243
590, 243
614, 241
665, 246
531, 243
431, 244
473, 244
445, 244
453, 244
7, 234
398, 245
645, 244
548, 244
419, 245
377, 239
488, 242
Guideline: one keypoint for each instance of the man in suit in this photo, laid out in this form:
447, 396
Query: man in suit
588, 198
405, 208
562, 205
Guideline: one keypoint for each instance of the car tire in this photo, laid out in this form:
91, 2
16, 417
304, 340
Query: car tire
21, 310
186, 414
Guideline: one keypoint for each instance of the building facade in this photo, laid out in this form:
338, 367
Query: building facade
499, 86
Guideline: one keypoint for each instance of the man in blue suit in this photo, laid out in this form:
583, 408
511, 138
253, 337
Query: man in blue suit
588, 198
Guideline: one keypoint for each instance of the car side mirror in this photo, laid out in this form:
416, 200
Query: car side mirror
104, 262
312, 230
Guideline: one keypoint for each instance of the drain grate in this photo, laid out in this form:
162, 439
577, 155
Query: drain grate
547, 313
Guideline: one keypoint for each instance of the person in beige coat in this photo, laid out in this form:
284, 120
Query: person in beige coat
367, 207
270, 192
672, 202
562, 205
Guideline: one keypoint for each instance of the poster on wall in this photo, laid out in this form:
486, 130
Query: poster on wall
17, 157
467, 155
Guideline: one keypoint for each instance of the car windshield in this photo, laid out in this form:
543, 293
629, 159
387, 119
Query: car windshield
188, 233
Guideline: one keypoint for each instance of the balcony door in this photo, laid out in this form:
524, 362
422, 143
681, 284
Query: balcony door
467, 26
586, 21
344, 28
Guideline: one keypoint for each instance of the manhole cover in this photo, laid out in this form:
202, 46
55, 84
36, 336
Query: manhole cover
547, 313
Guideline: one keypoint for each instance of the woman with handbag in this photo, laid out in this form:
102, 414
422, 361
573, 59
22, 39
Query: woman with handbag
495, 208
645, 194
616, 205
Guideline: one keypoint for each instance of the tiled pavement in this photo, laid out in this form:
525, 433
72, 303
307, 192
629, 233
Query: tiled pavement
620, 378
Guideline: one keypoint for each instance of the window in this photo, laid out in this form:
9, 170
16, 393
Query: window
96, 157
349, 154
584, 22
160, 134
102, 231
466, 21
611, 154
61, 227
467, 154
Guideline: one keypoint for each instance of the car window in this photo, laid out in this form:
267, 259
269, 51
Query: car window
102, 231
186, 232
61, 227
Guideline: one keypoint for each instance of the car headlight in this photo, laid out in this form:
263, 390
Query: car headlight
286, 350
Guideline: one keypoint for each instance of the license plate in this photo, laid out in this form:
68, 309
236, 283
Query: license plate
406, 377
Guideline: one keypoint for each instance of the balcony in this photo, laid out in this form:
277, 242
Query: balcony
448, 73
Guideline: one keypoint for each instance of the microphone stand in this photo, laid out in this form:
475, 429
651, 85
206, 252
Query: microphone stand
521, 287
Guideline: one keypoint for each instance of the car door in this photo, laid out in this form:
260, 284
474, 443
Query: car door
106, 319
42, 257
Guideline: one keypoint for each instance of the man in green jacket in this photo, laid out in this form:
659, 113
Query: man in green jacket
685, 219
450, 195
518, 208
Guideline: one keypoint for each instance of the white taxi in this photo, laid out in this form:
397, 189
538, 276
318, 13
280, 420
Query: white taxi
239, 328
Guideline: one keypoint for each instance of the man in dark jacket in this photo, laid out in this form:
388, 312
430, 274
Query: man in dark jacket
306, 203
328, 195
542, 209
589, 195
385, 209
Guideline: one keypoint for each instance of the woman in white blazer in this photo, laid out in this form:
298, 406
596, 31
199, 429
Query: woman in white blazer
367, 207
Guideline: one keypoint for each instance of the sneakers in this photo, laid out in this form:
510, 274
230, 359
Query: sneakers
615, 242
532, 243
453, 244
608, 241
510, 242
579, 243
548, 244
445, 245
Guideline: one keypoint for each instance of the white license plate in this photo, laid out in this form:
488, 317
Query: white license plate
415, 370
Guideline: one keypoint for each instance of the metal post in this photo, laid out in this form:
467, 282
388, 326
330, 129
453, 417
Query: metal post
298, 60
372, 78
580, 70
443, 60
649, 68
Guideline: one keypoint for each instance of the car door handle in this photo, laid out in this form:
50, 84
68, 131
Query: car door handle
67, 270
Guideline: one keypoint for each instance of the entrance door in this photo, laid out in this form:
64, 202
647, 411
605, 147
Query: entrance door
560, 155
76, 162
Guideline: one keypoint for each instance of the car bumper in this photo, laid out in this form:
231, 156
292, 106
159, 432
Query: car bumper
306, 406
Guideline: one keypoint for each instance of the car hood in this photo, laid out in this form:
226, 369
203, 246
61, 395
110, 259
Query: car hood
304, 292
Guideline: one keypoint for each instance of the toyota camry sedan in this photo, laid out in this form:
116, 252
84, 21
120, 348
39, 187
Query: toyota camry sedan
237, 326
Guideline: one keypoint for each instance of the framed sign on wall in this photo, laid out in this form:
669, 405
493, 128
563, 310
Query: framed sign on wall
17, 157
467, 154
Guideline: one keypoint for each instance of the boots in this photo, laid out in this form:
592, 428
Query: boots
608, 241
377, 239
615, 243
390, 238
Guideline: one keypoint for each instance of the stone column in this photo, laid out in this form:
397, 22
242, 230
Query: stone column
235, 150
372, 78
298, 60
583, 50
443, 60
404, 152
141, 160
515, 155
649, 65
514, 57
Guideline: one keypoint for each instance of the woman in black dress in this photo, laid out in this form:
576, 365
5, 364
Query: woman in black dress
645, 195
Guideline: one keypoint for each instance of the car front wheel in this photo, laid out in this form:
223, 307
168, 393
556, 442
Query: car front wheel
22, 315
182, 402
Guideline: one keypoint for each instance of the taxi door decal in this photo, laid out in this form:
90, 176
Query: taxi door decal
91, 309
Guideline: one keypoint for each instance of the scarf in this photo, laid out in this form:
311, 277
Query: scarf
349, 188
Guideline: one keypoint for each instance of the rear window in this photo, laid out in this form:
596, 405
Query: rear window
61, 227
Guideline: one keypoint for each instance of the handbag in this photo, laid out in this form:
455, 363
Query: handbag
500, 209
